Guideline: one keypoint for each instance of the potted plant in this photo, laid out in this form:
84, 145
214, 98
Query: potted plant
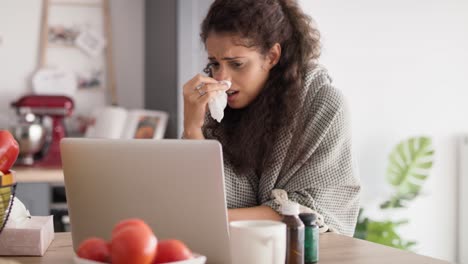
409, 166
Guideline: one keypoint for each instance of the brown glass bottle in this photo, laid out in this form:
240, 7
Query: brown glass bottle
294, 233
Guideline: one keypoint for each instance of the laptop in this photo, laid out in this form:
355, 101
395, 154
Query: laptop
176, 186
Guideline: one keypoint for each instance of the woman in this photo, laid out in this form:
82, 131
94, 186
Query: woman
285, 126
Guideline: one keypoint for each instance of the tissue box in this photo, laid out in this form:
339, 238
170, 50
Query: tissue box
30, 238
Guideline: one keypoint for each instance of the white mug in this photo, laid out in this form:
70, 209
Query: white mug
257, 242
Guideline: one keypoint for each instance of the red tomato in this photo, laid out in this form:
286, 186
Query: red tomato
133, 242
9, 150
95, 249
172, 250
128, 222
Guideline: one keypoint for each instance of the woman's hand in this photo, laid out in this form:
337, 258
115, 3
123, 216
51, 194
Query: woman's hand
261, 212
197, 93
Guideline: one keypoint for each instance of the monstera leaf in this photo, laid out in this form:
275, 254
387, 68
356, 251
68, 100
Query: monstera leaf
410, 163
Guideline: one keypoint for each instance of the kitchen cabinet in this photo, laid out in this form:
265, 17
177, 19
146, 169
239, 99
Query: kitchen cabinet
35, 196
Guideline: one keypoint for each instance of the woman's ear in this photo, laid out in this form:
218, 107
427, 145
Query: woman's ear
274, 55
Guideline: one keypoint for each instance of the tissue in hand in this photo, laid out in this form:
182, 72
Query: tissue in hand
217, 104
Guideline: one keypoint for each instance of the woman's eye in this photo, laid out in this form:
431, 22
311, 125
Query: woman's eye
213, 65
237, 64
210, 66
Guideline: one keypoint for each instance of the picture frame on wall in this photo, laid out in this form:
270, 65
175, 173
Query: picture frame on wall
146, 124
76, 37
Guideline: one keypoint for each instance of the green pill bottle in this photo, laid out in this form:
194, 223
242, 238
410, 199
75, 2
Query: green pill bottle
311, 238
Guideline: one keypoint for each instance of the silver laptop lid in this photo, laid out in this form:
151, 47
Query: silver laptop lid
176, 186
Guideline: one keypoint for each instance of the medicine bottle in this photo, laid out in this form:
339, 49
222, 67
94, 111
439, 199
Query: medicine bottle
294, 233
311, 238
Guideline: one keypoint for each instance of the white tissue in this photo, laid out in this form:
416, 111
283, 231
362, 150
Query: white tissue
217, 104
18, 214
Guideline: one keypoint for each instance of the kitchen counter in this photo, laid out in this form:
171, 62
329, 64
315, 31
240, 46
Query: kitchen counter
38, 175
42, 192
334, 248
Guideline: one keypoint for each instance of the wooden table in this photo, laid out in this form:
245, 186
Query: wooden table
333, 249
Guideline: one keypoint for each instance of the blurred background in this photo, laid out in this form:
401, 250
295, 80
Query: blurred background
402, 65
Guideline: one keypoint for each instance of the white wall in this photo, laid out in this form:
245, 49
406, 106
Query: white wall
19, 30
463, 196
128, 26
403, 66
20, 22
192, 55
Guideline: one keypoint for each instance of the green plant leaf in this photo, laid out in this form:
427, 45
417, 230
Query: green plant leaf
408, 169
361, 226
382, 232
385, 233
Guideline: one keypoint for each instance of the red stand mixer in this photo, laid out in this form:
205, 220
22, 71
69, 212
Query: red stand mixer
40, 128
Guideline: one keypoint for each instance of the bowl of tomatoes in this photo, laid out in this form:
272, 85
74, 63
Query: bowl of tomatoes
197, 259
133, 241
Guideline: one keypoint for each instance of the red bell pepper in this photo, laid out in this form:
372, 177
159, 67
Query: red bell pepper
9, 150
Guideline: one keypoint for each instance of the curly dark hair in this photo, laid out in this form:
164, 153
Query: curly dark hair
249, 133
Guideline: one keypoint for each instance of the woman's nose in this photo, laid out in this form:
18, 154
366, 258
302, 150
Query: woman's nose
221, 74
